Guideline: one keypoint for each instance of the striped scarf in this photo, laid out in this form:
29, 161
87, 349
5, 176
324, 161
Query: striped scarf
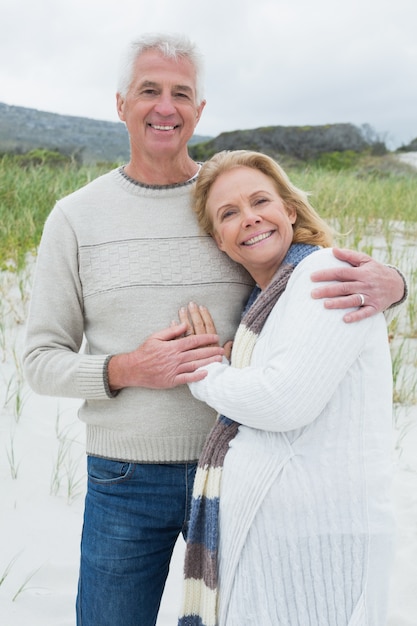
200, 567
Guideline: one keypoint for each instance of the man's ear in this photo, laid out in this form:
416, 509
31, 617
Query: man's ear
200, 111
120, 107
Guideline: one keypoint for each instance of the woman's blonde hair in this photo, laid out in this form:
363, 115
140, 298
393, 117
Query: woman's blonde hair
309, 227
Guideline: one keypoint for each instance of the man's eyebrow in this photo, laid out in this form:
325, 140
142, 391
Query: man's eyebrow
183, 88
147, 84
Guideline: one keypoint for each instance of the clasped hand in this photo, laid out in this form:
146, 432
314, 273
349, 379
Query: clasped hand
199, 322
168, 358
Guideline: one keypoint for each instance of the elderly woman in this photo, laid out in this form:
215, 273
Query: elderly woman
304, 525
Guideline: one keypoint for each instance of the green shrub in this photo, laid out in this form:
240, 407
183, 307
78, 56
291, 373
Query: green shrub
337, 161
41, 156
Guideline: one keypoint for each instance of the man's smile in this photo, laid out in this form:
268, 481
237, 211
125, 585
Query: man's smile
162, 127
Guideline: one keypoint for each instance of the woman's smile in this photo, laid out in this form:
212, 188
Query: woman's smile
257, 238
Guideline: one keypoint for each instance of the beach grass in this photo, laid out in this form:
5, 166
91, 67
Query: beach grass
28, 191
359, 199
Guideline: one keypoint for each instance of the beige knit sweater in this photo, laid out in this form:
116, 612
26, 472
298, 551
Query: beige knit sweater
116, 261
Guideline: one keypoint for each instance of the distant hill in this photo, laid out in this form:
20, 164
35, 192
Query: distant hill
300, 142
91, 141
88, 140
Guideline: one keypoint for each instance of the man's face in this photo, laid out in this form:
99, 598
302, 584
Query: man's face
160, 108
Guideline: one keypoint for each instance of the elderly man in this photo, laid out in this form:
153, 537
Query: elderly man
117, 259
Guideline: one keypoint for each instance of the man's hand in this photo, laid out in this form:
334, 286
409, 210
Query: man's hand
165, 360
379, 285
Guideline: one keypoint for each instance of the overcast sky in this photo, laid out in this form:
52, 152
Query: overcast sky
268, 62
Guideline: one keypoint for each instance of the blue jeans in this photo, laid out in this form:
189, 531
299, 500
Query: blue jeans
133, 516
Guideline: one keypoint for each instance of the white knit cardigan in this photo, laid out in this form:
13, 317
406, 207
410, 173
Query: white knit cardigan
305, 513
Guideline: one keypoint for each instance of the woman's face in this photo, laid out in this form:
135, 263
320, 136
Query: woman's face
251, 224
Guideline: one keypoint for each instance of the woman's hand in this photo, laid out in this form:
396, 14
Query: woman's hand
199, 322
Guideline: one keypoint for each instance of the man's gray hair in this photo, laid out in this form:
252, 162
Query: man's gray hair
171, 46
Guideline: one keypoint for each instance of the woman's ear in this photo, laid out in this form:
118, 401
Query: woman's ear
292, 213
218, 240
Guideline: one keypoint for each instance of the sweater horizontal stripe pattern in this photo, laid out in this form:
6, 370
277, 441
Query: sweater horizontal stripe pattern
200, 566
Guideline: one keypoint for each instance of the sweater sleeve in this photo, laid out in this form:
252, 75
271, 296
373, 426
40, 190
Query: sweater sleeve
53, 362
302, 354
